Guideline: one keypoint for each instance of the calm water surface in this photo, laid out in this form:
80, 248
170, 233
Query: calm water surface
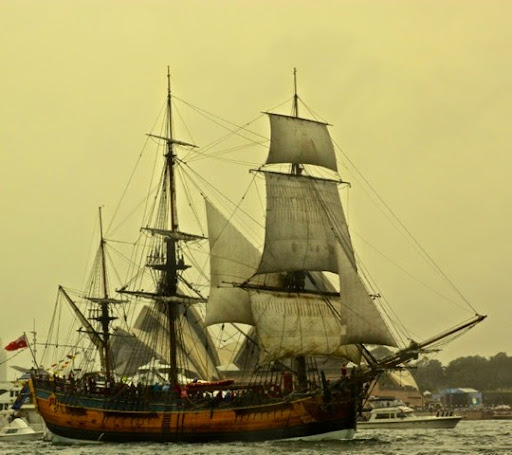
486, 437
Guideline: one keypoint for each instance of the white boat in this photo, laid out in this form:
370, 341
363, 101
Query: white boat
19, 430
10, 393
402, 417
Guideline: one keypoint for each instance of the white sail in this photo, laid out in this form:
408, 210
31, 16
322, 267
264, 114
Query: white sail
291, 325
364, 323
300, 141
304, 222
233, 259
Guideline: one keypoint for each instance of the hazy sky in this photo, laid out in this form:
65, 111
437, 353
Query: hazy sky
419, 94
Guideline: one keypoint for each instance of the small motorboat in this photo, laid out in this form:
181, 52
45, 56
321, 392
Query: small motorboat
399, 416
19, 430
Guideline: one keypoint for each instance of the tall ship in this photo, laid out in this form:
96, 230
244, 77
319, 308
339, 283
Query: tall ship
149, 362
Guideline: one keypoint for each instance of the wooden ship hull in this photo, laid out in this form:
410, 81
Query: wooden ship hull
82, 417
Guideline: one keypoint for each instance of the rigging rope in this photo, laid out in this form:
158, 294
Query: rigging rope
418, 246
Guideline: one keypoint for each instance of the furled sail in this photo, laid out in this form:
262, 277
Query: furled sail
233, 259
291, 325
364, 323
300, 141
304, 222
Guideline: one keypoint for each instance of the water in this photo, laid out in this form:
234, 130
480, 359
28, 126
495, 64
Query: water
485, 437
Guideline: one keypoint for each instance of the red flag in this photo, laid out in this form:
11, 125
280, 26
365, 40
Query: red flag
21, 342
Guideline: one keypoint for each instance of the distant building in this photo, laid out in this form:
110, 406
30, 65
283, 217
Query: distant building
460, 398
400, 385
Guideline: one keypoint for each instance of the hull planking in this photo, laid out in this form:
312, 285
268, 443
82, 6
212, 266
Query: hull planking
91, 421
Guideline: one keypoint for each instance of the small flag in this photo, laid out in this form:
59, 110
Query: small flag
21, 342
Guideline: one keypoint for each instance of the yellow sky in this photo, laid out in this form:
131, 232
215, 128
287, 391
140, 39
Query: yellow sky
418, 93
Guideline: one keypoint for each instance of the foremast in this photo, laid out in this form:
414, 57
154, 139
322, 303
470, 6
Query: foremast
296, 167
296, 311
296, 280
315, 225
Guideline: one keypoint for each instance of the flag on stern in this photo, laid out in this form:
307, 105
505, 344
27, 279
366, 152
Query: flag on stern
19, 343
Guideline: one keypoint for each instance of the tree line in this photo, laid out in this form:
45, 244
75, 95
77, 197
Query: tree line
480, 373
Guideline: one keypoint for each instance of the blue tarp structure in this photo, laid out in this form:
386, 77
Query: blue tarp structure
22, 396
462, 397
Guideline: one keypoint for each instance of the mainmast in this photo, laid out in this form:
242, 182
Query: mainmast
168, 263
170, 157
169, 280
167, 294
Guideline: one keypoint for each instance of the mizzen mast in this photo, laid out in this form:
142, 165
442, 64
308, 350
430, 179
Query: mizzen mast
105, 317
102, 314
